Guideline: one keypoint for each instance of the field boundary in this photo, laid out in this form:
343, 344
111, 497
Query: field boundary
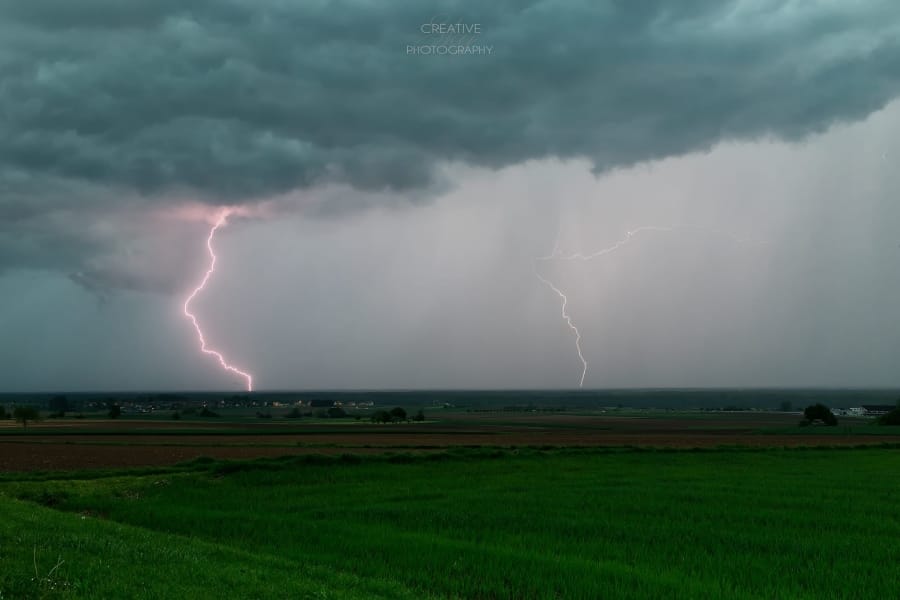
226, 466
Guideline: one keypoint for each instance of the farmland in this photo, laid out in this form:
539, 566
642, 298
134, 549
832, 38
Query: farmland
103, 443
503, 504
596, 522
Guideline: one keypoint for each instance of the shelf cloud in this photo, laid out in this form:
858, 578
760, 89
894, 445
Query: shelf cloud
112, 110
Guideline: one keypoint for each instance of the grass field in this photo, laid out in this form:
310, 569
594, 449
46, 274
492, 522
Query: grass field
814, 523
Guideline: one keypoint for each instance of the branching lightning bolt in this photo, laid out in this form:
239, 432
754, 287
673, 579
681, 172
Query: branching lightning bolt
556, 254
220, 222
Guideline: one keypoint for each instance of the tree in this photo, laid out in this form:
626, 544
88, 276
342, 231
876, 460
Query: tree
819, 412
398, 414
115, 411
23, 414
381, 416
420, 416
3, 414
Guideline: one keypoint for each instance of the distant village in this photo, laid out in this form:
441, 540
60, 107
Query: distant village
152, 403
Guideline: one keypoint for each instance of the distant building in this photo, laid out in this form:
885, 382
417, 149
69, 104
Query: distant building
874, 410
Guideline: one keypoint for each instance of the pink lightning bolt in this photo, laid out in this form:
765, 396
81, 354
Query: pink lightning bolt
223, 218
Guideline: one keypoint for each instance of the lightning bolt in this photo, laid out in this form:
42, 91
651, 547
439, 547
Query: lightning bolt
568, 320
556, 254
220, 222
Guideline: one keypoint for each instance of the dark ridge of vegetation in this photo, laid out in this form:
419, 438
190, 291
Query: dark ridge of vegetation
891, 418
58, 403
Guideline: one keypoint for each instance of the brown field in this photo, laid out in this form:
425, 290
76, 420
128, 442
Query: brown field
78, 444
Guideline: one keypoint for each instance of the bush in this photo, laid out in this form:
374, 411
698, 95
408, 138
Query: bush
398, 414
294, 414
336, 412
819, 412
420, 416
208, 413
3, 413
176, 415
115, 411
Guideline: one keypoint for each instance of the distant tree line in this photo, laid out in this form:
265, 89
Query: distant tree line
395, 415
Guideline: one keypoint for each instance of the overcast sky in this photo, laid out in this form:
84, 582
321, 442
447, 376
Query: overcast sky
389, 199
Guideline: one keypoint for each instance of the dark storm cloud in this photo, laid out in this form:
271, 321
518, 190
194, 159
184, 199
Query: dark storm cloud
234, 101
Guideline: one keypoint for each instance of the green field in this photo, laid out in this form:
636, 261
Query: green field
483, 524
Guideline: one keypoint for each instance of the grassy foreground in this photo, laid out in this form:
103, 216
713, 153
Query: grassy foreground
737, 524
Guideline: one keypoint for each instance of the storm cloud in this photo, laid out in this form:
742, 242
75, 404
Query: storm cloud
113, 109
